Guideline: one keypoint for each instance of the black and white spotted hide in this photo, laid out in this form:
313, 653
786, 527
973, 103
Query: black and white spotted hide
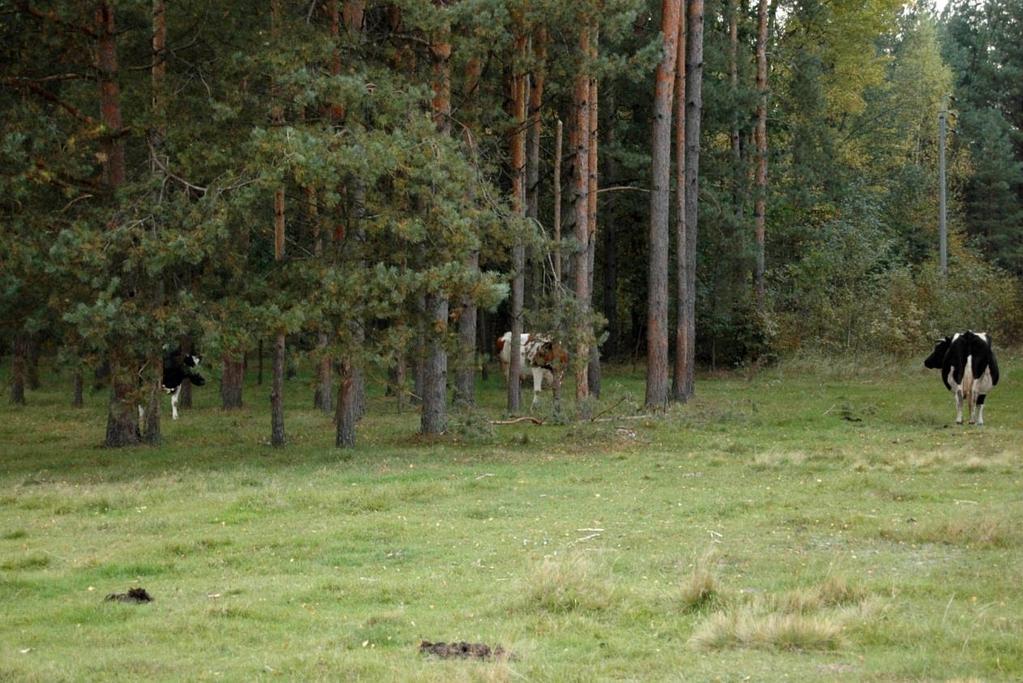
969, 369
177, 367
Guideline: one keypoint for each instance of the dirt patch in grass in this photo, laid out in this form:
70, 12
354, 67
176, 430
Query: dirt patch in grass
462, 650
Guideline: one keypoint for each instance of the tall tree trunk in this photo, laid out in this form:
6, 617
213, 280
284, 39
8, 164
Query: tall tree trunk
435, 373
354, 22
733, 81
115, 170
19, 361
535, 83
158, 75
610, 250
518, 161
434, 417
277, 436
760, 203
347, 413
694, 110
581, 185
153, 392
153, 377
323, 395
657, 275
122, 418
232, 379
678, 384
593, 368
465, 373
558, 133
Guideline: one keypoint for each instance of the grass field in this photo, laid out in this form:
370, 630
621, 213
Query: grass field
809, 522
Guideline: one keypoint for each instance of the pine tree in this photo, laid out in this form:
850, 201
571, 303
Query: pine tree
657, 279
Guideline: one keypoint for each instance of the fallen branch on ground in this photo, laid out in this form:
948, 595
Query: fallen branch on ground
534, 420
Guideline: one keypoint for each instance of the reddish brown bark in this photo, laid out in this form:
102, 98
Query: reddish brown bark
231, 382
122, 416
159, 70
681, 324
440, 53
558, 133
760, 134
694, 109
657, 276
537, 83
581, 185
593, 369
354, 15
517, 141
110, 96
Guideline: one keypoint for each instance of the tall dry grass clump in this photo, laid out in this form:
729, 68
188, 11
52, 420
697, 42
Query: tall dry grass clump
700, 587
750, 628
568, 583
812, 618
834, 591
974, 531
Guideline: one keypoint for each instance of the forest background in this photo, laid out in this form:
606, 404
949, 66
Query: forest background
385, 187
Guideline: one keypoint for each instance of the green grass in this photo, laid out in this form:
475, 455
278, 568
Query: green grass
809, 522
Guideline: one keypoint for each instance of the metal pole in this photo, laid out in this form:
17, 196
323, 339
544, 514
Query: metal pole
942, 225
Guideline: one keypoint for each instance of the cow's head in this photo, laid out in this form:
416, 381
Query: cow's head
192, 361
552, 356
941, 347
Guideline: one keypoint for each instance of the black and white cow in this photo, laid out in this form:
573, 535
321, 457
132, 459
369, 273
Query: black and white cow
177, 367
968, 369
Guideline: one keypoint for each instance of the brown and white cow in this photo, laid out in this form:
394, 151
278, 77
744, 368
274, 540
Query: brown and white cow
541, 358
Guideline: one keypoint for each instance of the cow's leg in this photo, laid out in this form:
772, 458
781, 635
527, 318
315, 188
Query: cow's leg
174, 402
959, 405
142, 415
537, 386
980, 409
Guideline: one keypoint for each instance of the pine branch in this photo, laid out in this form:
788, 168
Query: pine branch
51, 16
50, 97
170, 174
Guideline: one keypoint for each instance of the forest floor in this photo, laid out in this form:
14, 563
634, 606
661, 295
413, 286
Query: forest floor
821, 520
